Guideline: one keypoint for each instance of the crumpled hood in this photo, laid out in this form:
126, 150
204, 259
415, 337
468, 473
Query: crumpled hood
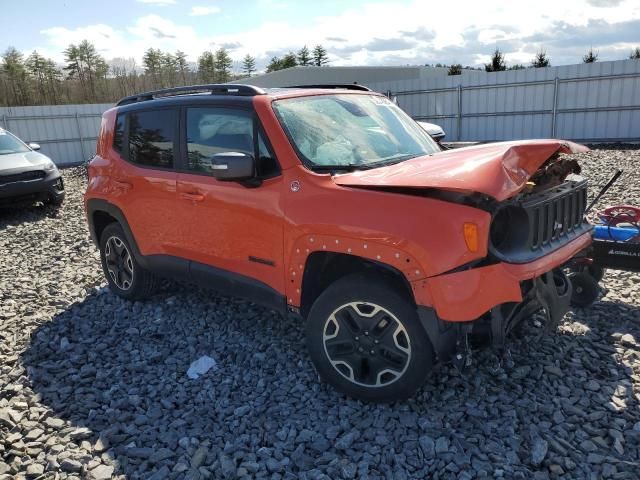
499, 170
17, 162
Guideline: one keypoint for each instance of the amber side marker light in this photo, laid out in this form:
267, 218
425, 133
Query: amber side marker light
470, 231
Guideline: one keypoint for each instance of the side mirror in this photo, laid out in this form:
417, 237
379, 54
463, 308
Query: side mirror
34, 146
233, 166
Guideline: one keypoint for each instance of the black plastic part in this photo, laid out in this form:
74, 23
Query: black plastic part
442, 335
343, 86
545, 222
213, 88
616, 255
585, 289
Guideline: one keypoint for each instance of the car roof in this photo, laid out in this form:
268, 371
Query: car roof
229, 94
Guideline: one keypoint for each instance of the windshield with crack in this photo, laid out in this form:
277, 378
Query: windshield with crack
351, 131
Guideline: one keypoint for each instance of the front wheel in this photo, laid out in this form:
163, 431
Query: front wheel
365, 339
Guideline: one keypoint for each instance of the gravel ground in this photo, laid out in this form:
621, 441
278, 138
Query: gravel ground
93, 387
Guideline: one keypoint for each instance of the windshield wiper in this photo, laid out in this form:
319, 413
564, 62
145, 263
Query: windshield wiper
387, 162
333, 168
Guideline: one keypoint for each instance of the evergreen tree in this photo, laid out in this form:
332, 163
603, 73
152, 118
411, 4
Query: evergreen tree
289, 60
152, 62
635, 54
304, 57
497, 63
223, 64
274, 64
14, 69
590, 57
207, 67
248, 65
320, 56
182, 66
541, 60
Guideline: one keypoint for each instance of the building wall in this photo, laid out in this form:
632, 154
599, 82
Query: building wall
587, 102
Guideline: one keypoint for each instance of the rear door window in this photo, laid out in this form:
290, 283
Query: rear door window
153, 137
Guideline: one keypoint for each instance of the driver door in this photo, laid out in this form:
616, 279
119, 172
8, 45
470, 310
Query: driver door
227, 225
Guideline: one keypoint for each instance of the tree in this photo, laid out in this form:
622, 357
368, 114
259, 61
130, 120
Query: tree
304, 57
274, 65
86, 65
497, 63
541, 60
590, 57
517, 66
207, 67
248, 64
46, 77
289, 60
635, 54
181, 65
169, 67
152, 62
14, 69
223, 64
455, 69
320, 56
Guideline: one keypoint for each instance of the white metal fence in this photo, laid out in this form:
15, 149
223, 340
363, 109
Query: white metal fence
66, 133
587, 102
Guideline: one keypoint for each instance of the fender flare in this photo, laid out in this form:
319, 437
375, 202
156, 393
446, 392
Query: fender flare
377, 252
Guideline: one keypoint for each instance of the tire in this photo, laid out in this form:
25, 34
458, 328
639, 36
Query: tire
585, 289
595, 271
365, 339
125, 275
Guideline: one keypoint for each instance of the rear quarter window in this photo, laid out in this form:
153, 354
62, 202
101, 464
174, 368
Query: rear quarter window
152, 137
118, 134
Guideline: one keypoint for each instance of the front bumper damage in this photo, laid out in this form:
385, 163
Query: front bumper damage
493, 299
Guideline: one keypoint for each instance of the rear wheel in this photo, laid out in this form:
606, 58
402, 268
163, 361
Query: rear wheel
125, 275
365, 339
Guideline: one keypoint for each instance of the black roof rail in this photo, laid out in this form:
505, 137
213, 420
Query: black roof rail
346, 86
213, 88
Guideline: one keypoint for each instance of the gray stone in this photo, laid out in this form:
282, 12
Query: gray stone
199, 456
442, 445
70, 465
35, 470
101, 472
539, 450
428, 446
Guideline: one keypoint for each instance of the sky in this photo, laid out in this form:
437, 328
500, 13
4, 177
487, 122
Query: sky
355, 32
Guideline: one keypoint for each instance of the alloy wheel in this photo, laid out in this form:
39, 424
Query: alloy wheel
119, 263
366, 344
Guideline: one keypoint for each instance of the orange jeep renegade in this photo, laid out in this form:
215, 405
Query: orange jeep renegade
332, 204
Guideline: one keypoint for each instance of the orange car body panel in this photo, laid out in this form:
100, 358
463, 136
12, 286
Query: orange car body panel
499, 170
298, 213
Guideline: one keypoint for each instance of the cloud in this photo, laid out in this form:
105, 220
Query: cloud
159, 3
605, 3
377, 33
231, 45
160, 34
200, 11
388, 44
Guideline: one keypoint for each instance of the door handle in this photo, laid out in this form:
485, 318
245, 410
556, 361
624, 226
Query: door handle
196, 197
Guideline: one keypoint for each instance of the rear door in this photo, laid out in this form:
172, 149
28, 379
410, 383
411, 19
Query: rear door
229, 225
146, 182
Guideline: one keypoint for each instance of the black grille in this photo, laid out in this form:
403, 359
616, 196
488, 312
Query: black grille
529, 228
22, 177
558, 214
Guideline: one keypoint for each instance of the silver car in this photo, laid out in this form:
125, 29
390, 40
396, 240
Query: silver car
27, 176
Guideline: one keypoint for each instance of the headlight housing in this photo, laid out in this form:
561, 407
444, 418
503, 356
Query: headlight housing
49, 165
